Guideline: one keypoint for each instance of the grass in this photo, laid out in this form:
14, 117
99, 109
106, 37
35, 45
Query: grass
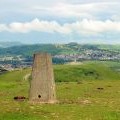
86, 71
82, 100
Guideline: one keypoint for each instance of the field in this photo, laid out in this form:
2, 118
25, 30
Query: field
89, 91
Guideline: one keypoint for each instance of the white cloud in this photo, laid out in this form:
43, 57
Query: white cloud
36, 25
3, 27
116, 17
81, 10
80, 27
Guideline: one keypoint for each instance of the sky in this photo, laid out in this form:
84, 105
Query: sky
60, 21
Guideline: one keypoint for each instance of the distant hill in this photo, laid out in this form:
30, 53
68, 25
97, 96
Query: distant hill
9, 44
54, 49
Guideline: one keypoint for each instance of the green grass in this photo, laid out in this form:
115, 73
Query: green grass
77, 100
86, 71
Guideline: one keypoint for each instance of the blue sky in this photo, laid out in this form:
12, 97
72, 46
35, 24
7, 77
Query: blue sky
60, 21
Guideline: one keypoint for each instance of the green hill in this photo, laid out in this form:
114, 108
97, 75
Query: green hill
88, 71
73, 73
55, 49
81, 100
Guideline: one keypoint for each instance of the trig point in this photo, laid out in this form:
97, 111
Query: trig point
42, 86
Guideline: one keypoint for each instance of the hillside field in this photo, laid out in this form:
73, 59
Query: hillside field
54, 49
89, 91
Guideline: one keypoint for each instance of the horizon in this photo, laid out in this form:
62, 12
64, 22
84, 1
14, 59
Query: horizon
22, 43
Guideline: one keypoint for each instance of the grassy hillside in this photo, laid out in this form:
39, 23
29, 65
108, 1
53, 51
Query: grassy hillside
81, 100
29, 50
71, 48
75, 73
87, 71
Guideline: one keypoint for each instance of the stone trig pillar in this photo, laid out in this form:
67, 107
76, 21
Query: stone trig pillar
42, 86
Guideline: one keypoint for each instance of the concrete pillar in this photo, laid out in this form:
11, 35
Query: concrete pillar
42, 85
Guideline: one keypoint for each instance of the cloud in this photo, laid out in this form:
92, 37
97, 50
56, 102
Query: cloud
116, 17
85, 27
36, 25
90, 10
74, 9
3, 27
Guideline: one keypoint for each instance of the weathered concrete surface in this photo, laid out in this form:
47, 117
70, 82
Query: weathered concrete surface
42, 86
